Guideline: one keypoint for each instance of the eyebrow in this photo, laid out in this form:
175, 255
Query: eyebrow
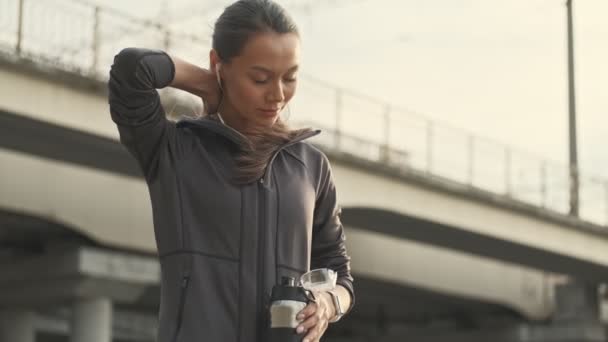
261, 68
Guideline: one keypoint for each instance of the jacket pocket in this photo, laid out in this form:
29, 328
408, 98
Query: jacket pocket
209, 308
180, 309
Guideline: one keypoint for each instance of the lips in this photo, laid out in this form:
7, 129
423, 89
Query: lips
270, 112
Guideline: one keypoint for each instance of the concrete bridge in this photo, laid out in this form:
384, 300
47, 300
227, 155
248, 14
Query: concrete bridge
436, 257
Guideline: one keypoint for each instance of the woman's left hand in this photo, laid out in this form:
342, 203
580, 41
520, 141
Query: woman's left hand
315, 317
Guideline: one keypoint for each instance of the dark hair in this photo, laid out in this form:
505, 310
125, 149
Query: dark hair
233, 29
245, 18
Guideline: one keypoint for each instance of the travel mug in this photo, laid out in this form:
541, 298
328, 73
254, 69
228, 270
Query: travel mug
287, 300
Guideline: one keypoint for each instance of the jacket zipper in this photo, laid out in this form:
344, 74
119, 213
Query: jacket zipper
261, 246
182, 302
262, 237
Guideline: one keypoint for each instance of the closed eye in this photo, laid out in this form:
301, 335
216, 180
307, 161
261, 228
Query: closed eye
288, 80
291, 77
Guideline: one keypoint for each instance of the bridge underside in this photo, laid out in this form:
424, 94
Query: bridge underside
452, 237
48, 268
25, 238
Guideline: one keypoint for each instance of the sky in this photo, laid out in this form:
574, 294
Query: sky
495, 68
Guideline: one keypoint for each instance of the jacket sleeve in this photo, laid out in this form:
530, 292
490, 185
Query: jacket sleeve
135, 104
328, 240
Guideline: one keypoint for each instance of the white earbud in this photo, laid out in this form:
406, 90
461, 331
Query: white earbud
217, 74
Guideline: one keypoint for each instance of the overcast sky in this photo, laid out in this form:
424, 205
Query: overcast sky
494, 67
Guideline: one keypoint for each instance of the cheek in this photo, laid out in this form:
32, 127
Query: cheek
290, 91
247, 94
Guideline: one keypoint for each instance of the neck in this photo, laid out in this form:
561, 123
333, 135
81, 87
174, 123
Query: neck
229, 117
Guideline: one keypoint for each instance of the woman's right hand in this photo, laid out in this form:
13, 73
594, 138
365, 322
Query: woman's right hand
198, 81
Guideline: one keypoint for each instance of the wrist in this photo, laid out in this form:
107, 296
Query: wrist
330, 311
337, 305
191, 78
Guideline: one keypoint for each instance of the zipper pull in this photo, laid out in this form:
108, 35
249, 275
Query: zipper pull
266, 300
262, 180
185, 280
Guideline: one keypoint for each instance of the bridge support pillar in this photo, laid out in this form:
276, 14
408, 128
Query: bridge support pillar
577, 301
92, 320
576, 318
17, 326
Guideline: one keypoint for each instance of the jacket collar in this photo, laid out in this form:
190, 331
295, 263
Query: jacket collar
216, 127
234, 135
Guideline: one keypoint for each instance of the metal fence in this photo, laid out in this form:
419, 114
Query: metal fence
77, 36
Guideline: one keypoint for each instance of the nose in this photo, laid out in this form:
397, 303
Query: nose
276, 93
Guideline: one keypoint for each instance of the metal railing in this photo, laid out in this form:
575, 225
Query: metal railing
80, 37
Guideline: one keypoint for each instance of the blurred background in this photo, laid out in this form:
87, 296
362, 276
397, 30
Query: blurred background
472, 211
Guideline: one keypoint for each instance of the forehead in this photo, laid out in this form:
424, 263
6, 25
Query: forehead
275, 51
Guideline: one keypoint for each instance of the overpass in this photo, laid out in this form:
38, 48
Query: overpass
427, 244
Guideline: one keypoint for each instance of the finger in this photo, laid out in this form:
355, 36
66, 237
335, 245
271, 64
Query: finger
312, 336
324, 326
308, 324
308, 311
321, 327
315, 333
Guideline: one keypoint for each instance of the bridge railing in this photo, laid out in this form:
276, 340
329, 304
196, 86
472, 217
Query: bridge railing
81, 37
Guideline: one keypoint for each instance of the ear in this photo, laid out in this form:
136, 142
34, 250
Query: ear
214, 61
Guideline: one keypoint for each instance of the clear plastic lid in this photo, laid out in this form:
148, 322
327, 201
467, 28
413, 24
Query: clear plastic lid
321, 279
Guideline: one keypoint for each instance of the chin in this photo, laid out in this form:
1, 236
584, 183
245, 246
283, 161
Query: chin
268, 121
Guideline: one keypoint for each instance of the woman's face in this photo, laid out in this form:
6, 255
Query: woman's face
260, 82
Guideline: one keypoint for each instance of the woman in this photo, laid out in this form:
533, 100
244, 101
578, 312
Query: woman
239, 201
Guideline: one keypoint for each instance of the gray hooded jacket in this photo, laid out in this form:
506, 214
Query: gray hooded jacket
222, 247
